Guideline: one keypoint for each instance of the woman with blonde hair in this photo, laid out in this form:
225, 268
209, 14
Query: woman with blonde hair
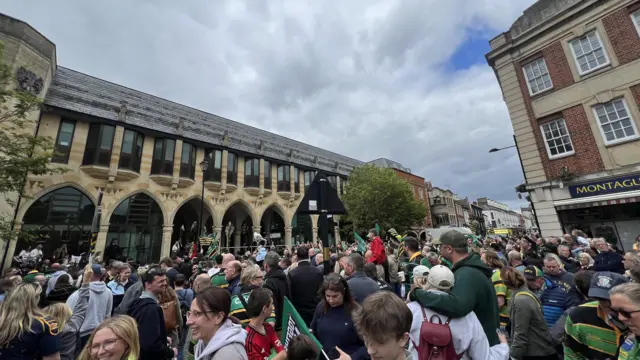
586, 261
70, 321
530, 338
625, 306
25, 333
503, 295
115, 339
251, 278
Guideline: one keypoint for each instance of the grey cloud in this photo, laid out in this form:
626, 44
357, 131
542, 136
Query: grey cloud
361, 78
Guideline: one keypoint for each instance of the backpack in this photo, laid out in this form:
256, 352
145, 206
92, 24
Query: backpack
436, 341
169, 312
184, 306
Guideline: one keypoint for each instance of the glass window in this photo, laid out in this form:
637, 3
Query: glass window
557, 139
64, 141
333, 180
251, 172
284, 183
188, 161
538, 79
589, 53
636, 20
163, 153
267, 175
99, 144
296, 180
308, 178
232, 168
615, 121
131, 153
342, 181
214, 171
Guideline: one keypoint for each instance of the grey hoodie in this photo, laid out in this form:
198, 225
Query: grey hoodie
99, 308
68, 334
226, 344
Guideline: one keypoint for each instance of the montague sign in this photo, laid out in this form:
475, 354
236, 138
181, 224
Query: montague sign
608, 186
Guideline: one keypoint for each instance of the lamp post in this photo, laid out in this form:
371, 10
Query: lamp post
204, 165
535, 214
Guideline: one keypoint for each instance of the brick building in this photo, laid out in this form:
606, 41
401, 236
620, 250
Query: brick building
570, 76
420, 191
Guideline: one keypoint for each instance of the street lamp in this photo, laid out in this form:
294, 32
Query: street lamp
204, 165
535, 215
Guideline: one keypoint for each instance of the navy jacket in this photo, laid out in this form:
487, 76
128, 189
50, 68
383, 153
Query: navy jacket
335, 328
609, 261
153, 337
361, 286
554, 302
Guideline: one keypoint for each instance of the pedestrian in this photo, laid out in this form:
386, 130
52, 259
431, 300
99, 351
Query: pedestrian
360, 284
529, 333
148, 315
277, 281
218, 336
115, 339
250, 280
261, 336
232, 273
625, 305
305, 282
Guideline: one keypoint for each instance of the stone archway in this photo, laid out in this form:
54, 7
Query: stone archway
237, 227
186, 227
273, 224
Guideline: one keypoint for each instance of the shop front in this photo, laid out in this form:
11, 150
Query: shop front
607, 208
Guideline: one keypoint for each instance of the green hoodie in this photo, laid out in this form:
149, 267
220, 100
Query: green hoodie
472, 291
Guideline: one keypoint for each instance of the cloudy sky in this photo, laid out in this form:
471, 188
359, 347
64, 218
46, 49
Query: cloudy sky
402, 79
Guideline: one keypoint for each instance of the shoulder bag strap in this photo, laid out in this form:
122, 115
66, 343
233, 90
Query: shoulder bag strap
243, 301
533, 297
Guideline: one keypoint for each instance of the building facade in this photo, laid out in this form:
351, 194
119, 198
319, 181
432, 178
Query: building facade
499, 215
140, 156
417, 183
477, 219
570, 75
443, 207
528, 218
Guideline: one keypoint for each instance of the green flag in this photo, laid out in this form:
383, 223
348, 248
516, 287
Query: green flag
361, 244
378, 229
293, 325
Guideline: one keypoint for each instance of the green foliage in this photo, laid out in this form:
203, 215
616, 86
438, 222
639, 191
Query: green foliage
21, 152
378, 195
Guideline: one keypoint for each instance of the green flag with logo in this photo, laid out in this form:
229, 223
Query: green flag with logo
293, 325
361, 244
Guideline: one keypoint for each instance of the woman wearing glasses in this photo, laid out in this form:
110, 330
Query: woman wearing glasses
25, 333
250, 279
115, 339
219, 336
625, 304
332, 322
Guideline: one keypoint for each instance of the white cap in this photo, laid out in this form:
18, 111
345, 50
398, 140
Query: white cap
441, 277
420, 270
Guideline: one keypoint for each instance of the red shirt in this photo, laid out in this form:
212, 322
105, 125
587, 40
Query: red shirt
377, 249
258, 345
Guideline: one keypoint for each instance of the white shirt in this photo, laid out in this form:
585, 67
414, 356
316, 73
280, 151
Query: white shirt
467, 332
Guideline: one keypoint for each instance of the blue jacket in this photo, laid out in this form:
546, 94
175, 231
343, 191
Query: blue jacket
554, 302
609, 261
361, 286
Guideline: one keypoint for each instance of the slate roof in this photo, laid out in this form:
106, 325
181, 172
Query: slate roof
386, 163
78, 92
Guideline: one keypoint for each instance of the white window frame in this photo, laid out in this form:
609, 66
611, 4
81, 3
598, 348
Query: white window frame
635, 18
633, 123
546, 141
604, 51
524, 71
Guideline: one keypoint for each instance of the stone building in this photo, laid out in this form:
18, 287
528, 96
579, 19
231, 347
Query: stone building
570, 75
418, 187
443, 208
143, 154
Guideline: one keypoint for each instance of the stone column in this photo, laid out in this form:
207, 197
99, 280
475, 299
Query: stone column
115, 151
240, 171
291, 180
101, 241
177, 159
225, 161
274, 177
301, 182
338, 181
287, 236
167, 230
262, 177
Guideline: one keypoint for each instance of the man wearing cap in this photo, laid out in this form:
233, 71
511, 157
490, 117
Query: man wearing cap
473, 290
591, 332
553, 298
99, 307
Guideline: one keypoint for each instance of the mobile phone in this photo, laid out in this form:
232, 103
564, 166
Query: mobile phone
502, 332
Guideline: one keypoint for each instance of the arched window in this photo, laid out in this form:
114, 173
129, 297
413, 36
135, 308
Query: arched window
136, 226
251, 172
62, 216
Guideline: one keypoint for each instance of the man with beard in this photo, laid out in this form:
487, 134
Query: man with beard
473, 290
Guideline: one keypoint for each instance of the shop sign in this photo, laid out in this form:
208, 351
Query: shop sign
609, 186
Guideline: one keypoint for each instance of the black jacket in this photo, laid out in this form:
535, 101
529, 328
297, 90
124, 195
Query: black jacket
276, 281
153, 336
305, 282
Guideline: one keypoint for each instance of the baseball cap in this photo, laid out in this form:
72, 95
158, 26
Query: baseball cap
420, 270
453, 238
604, 281
532, 272
441, 277
97, 269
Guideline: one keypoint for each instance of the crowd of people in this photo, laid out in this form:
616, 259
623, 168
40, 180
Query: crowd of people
451, 297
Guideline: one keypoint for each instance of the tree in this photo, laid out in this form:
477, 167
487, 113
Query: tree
21, 151
378, 195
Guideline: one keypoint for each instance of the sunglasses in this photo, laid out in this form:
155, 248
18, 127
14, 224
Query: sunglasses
626, 314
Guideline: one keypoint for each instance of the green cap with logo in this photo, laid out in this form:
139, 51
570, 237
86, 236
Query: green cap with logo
532, 272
